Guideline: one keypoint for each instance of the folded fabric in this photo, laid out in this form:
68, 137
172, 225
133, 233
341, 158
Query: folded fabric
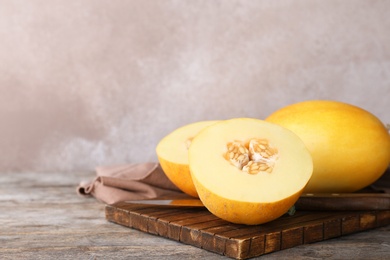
148, 181
129, 182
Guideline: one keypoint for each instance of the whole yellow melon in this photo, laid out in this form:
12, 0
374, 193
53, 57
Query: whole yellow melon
248, 171
172, 154
350, 146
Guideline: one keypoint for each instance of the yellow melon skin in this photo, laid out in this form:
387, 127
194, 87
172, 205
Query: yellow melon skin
179, 174
236, 196
172, 154
350, 147
247, 213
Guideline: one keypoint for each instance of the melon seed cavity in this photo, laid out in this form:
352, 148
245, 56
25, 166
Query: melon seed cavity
254, 157
188, 142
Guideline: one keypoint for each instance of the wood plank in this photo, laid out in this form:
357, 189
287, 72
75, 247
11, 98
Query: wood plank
332, 228
313, 233
383, 218
192, 234
198, 227
291, 237
153, 223
272, 242
367, 220
350, 224
42, 217
213, 238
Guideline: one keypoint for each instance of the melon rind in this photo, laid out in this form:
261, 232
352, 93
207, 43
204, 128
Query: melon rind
172, 154
239, 197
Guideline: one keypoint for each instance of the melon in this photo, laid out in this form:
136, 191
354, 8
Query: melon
350, 146
172, 154
248, 171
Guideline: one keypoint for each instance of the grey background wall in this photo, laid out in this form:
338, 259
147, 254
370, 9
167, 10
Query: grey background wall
88, 83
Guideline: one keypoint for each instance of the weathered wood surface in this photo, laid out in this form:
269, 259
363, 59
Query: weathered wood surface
198, 227
42, 217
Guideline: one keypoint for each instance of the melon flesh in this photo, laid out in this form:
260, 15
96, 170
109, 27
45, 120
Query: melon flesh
237, 196
172, 153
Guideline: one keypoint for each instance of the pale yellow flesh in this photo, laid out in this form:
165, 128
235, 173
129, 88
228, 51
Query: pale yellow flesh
292, 170
173, 147
172, 153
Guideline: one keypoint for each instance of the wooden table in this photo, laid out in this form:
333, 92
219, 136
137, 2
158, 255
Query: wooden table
42, 217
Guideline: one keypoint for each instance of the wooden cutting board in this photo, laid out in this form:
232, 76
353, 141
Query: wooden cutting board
200, 228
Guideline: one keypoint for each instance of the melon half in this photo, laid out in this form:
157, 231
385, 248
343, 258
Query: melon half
248, 171
172, 154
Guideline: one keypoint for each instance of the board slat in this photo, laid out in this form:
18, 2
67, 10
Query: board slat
200, 228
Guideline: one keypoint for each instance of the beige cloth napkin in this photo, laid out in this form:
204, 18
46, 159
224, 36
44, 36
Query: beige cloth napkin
129, 182
148, 181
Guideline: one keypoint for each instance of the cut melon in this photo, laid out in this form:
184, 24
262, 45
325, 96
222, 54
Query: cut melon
248, 171
350, 147
172, 153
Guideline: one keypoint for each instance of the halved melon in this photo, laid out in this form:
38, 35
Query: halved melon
350, 146
172, 153
248, 171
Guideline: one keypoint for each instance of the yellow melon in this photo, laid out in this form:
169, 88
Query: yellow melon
172, 154
248, 171
350, 147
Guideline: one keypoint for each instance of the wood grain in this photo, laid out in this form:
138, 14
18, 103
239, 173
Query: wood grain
42, 217
198, 227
